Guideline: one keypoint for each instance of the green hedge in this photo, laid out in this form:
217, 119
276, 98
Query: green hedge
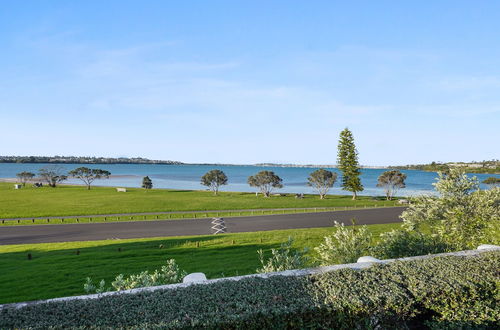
444, 292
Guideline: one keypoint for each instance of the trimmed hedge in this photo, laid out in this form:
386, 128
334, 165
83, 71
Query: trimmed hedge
442, 292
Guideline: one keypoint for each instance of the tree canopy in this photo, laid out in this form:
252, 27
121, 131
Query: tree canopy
88, 175
463, 216
391, 181
147, 183
24, 177
322, 180
52, 174
347, 158
213, 180
266, 181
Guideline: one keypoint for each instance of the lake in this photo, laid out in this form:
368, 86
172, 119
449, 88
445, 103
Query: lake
187, 177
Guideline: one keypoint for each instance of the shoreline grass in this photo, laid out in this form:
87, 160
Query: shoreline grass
76, 200
60, 269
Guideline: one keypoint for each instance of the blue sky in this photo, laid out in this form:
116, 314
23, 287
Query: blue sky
251, 81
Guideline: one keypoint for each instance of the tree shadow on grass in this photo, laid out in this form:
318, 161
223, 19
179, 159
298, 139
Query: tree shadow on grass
62, 272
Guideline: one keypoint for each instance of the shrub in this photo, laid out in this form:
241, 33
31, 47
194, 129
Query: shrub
345, 245
402, 243
462, 217
458, 292
283, 258
168, 274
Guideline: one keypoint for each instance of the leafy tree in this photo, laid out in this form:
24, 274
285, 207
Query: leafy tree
322, 180
52, 174
265, 181
462, 216
214, 179
88, 175
24, 177
391, 181
147, 183
348, 163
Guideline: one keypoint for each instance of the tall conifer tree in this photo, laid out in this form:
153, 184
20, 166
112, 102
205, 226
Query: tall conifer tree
348, 163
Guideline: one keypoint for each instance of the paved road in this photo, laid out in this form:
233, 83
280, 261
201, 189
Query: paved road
141, 229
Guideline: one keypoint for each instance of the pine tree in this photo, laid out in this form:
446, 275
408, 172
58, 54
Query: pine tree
147, 183
348, 163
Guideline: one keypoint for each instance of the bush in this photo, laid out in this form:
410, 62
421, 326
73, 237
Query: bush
345, 245
462, 217
168, 274
281, 259
458, 292
402, 243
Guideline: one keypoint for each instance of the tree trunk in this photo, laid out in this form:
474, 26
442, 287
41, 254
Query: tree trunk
321, 196
353, 195
88, 187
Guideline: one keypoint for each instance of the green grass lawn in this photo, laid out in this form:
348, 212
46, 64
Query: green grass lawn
57, 270
76, 200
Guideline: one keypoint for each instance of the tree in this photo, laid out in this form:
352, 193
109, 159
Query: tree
322, 180
88, 175
462, 216
214, 179
147, 183
348, 163
52, 174
24, 177
265, 181
391, 181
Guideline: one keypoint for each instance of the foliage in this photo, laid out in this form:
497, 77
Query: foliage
344, 245
25, 177
147, 183
391, 181
348, 163
322, 180
485, 166
403, 243
462, 216
214, 179
52, 174
265, 181
453, 292
284, 258
493, 181
88, 175
90, 287
168, 274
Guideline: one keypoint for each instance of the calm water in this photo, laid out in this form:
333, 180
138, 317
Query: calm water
188, 177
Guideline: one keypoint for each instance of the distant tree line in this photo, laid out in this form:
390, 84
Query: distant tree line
485, 166
83, 160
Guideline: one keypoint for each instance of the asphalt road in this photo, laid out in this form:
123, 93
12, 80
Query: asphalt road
142, 229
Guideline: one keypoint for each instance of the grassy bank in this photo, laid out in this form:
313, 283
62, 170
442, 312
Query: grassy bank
175, 216
59, 269
76, 200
